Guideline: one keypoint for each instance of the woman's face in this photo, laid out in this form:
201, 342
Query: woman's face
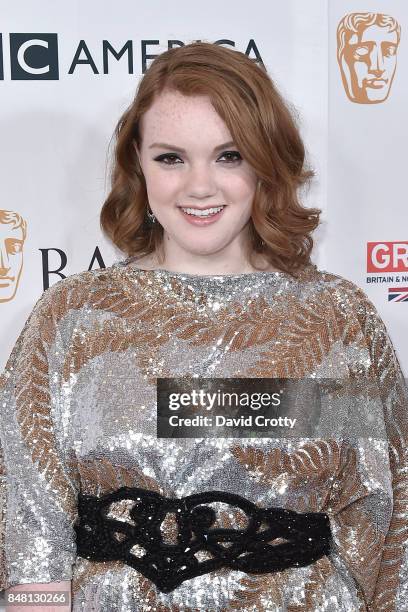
209, 173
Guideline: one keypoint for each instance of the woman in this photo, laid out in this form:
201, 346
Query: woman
217, 282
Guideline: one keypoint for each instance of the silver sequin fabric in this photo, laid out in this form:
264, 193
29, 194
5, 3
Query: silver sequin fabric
78, 414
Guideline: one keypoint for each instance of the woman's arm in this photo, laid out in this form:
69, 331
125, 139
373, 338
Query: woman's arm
60, 587
388, 591
40, 500
391, 585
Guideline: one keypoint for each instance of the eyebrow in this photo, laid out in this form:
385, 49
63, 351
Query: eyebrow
163, 145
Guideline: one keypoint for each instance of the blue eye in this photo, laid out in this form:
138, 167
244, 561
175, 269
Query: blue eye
173, 156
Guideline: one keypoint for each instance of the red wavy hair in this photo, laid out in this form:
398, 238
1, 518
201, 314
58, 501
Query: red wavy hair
261, 124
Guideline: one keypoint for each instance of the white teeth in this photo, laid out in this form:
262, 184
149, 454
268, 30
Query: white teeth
202, 213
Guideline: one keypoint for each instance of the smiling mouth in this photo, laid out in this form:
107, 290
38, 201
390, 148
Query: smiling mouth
202, 213
202, 218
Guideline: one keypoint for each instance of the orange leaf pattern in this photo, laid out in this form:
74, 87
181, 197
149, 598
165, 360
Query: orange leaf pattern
78, 395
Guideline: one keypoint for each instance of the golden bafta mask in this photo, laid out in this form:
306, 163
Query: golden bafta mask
367, 45
13, 231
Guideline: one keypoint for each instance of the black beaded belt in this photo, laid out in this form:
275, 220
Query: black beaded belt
306, 537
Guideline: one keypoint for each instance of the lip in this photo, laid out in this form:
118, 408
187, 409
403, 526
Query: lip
201, 220
203, 208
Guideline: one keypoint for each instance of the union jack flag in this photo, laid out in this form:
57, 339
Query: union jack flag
398, 294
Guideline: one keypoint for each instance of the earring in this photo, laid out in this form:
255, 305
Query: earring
150, 215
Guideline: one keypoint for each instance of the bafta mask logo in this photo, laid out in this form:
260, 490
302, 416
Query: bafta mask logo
367, 45
13, 231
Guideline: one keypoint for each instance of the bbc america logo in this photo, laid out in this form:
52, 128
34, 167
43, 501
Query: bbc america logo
35, 56
32, 57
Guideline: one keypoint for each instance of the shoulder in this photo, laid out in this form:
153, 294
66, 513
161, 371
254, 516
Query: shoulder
77, 297
77, 290
66, 301
344, 292
360, 323
353, 310
357, 315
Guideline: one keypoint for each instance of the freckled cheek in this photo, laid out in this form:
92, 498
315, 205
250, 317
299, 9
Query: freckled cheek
165, 187
240, 189
162, 187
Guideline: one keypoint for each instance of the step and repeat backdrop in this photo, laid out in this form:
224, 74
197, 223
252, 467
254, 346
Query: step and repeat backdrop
367, 212
69, 70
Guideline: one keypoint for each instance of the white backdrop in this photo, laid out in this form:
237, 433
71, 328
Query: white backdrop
56, 129
367, 173
55, 133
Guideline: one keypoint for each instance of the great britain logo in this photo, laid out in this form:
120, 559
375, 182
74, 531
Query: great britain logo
387, 263
398, 294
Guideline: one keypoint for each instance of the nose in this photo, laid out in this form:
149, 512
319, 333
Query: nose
200, 182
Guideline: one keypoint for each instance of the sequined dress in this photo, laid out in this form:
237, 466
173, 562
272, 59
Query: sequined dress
79, 415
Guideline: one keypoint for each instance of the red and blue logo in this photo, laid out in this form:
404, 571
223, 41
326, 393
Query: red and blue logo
398, 294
